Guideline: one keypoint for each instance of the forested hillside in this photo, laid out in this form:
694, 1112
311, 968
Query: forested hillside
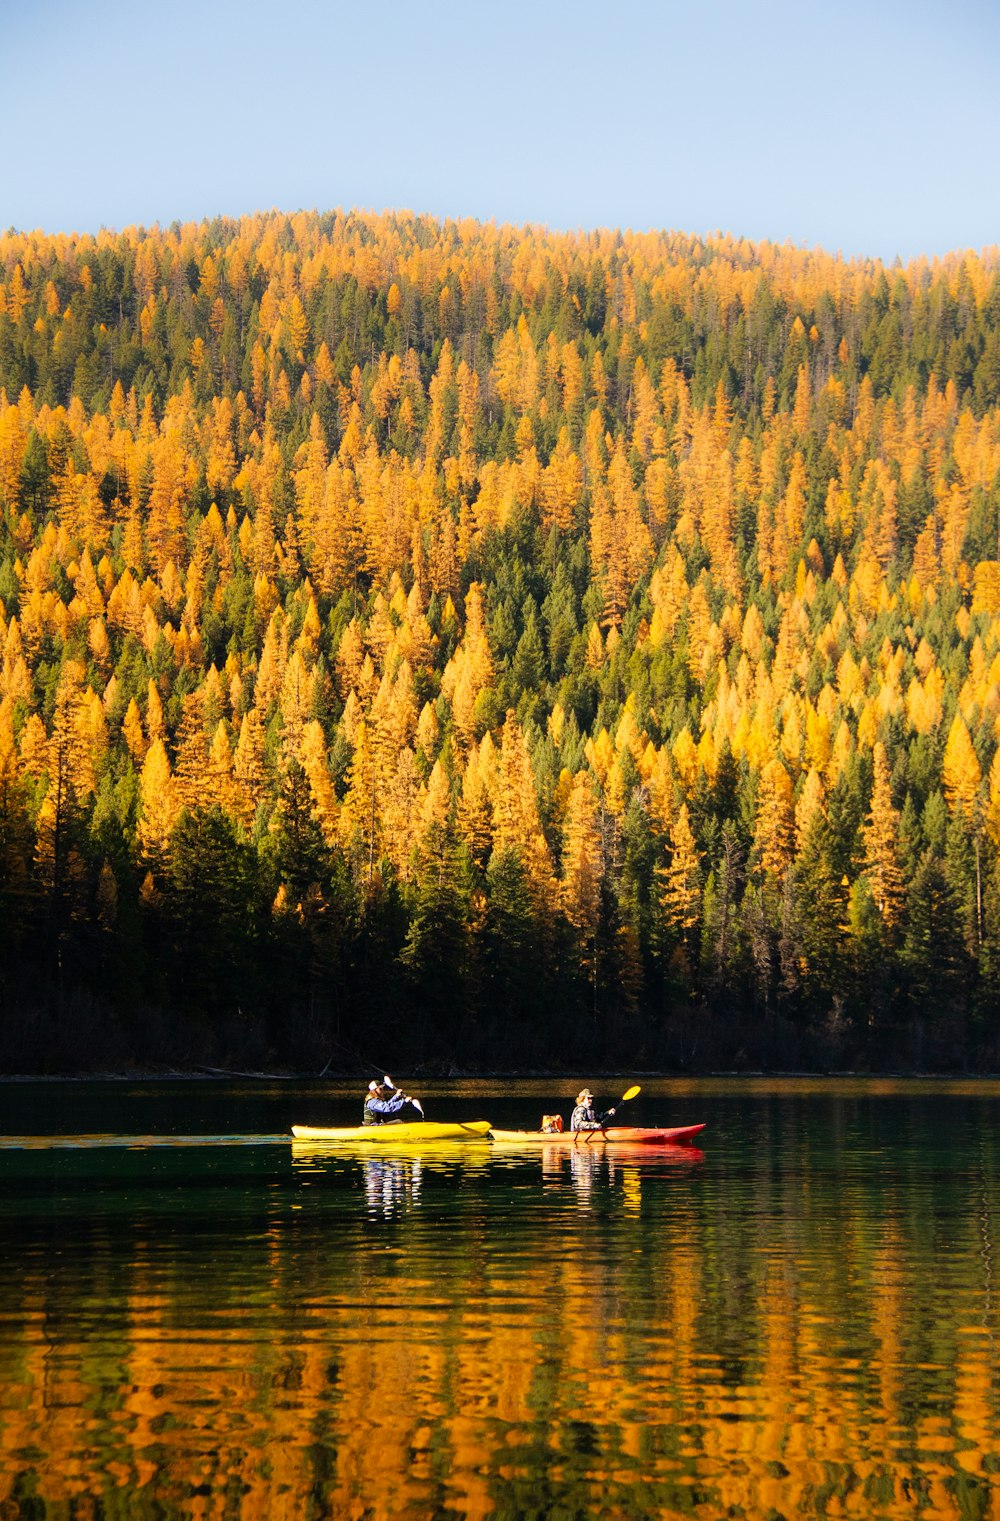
496, 647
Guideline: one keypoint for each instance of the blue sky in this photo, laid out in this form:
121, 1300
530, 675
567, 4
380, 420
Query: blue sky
866, 128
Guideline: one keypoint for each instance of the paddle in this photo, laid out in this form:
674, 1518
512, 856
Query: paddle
630, 1093
417, 1105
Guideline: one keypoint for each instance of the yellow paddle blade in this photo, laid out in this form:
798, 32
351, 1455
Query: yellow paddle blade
630, 1093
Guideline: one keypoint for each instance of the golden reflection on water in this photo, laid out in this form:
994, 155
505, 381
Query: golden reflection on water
579, 1332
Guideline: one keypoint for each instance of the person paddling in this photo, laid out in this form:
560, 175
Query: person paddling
384, 1102
585, 1117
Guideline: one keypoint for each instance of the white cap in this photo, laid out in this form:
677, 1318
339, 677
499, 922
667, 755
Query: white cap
373, 1087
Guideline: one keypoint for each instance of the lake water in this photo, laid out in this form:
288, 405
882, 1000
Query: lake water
797, 1318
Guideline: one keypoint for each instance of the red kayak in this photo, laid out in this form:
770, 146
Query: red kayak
631, 1135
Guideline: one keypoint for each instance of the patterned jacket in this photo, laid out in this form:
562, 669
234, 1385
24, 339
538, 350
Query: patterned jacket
585, 1117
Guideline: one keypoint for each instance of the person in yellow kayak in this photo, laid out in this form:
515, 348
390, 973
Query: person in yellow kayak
384, 1102
585, 1116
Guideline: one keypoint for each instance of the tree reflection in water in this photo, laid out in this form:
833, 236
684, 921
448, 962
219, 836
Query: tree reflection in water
803, 1321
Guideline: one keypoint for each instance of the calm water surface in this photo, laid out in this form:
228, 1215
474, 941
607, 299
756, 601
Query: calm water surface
800, 1318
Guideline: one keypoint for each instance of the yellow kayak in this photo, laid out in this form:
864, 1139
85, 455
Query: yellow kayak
391, 1134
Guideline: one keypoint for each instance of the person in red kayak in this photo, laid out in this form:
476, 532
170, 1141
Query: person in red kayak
384, 1102
585, 1117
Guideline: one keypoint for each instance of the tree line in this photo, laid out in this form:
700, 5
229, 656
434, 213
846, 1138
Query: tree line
518, 648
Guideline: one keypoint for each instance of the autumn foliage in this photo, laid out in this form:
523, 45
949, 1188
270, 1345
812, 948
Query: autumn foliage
515, 646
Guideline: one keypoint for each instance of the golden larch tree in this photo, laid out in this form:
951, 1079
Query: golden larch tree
580, 893
159, 806
680, 878
773, 828
960, 770
880, 834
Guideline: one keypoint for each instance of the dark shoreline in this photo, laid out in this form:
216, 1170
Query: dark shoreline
523, 1074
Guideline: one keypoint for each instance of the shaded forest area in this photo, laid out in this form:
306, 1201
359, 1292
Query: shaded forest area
496, 647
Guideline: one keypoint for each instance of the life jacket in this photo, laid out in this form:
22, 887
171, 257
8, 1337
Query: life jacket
585, 1117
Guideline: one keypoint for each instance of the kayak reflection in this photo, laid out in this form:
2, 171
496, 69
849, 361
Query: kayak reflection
392, 1185
445, 1156
615, 1166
